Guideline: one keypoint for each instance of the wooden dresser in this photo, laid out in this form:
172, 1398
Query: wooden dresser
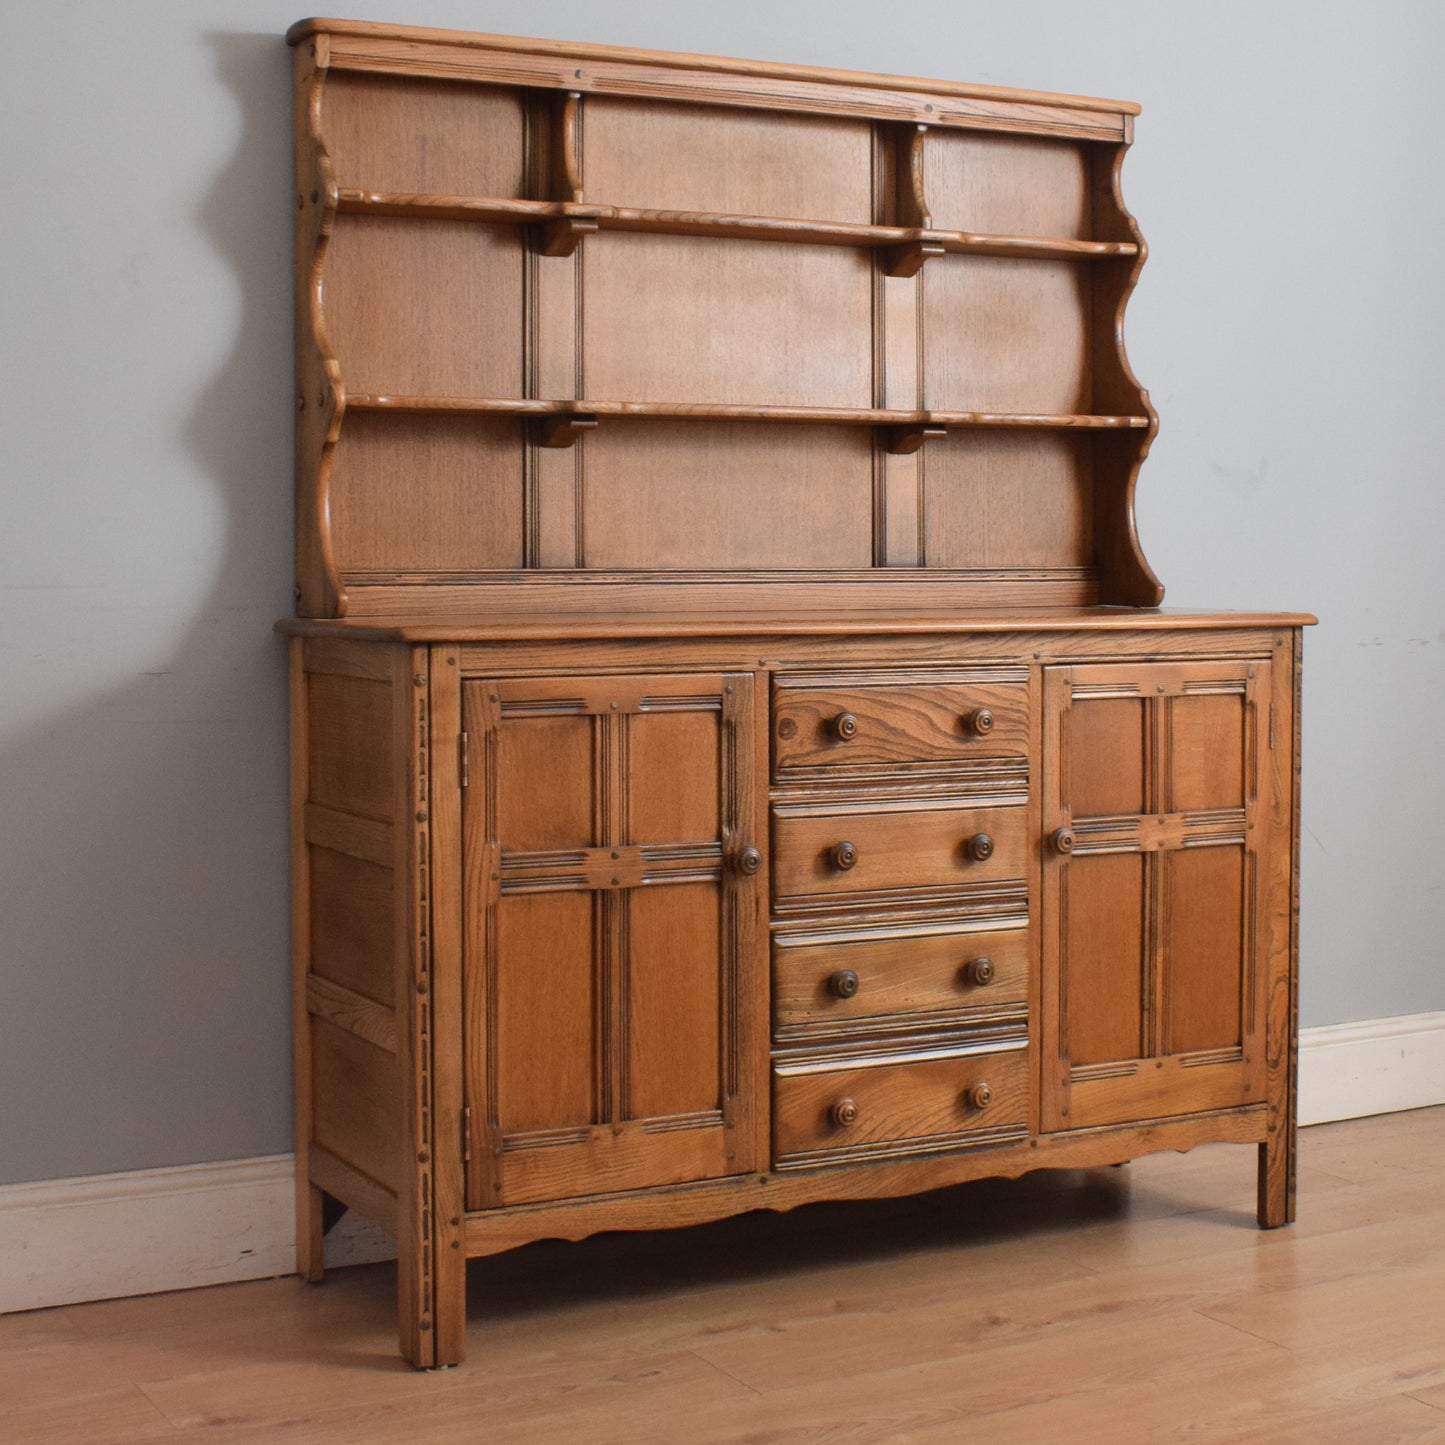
738, 758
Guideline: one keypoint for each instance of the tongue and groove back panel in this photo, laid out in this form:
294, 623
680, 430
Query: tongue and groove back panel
747, 328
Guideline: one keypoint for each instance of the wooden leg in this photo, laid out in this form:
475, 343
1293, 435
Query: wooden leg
415, 1336
1276, 1178
310, 1229
431, 1296
1277, 1153
451, 1300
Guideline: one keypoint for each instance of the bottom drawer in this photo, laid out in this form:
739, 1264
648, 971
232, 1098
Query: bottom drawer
857, 1111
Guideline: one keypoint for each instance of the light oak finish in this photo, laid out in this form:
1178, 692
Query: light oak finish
1129, 1304
922, 1102
883, 717
737, 761
825, 984
610, 934
848, 851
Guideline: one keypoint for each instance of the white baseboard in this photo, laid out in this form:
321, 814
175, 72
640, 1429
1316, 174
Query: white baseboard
1377, 1066
110, 1235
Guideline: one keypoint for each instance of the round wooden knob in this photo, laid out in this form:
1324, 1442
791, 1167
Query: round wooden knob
979, 847
845, 726
844, 983
843, 856
1063, 840
979, 1097
979, 972
979, 722
844, 1112
749, 860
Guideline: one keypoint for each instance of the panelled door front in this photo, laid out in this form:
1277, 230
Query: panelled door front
1155, 836
612, 927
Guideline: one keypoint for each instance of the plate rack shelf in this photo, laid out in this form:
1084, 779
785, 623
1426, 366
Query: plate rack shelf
562, 293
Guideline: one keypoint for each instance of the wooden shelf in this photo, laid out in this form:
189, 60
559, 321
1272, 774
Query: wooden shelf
499, 211
837, 416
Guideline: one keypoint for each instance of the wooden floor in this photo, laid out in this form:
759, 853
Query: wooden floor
1134, 1304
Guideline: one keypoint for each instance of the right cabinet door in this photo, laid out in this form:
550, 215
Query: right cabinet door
1160, 837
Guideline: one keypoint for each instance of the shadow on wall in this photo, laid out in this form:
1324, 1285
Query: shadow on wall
145, 1019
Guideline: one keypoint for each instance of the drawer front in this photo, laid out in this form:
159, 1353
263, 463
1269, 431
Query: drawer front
866, 852
837, 1114
832, 982
857, 726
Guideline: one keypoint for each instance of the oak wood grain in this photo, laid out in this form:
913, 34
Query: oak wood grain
310, 1262
930, 974
851, 1112
831, 620
890, 720
900, 849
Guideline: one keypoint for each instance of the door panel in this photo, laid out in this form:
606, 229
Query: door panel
544, 768
1203, 936
1208, 752
673, 772
1107, 757
1152, 991
674, 977
546, 1012
612, 953
1102, 905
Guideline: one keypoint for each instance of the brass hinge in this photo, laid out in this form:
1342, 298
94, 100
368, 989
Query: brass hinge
464, 758
467, 1134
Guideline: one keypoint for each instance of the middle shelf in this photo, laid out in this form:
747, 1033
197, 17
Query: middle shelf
907, 428
565, 222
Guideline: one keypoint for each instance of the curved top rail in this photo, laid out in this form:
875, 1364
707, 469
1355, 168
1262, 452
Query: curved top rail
725, 65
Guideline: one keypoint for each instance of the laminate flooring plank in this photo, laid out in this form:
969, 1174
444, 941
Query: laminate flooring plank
346, 1293
109, 1417
457, 1406
37, 1327
1065, 1364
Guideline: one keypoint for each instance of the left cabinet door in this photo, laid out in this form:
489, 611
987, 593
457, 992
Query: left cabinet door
612, 889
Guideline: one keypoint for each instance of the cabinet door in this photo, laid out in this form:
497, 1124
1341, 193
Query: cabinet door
1156, 841
612, 975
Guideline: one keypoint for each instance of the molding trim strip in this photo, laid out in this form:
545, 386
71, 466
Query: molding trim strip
70, 1240
1377, 1066
105, 1236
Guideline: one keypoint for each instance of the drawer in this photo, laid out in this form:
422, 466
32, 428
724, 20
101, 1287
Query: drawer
851, 724
823, 1115
830, 982
841, 852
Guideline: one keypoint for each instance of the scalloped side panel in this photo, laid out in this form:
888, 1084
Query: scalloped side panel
320, 393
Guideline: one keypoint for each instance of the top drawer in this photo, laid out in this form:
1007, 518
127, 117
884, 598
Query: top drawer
916, 715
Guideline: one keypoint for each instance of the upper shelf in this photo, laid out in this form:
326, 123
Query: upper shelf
909, 427
585, 217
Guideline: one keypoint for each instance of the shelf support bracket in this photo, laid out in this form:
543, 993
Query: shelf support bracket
903, 440
908, 259
562, 236
564, 431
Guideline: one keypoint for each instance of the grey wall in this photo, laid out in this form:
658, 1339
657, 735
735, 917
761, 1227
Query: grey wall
1289, 325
